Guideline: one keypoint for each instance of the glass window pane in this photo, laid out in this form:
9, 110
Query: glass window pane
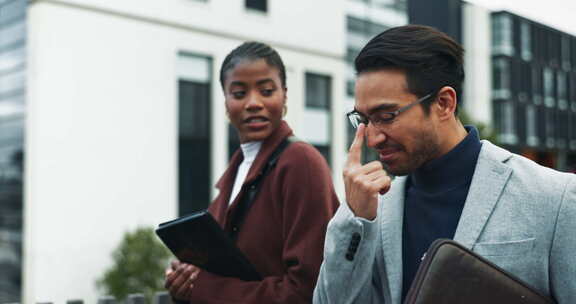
11, 59
318, 91
12, 81
531, 136
259, 5
11, 11
12, 34
536, 86
501, 79
526, 41
502, 35
548, 87
194, 132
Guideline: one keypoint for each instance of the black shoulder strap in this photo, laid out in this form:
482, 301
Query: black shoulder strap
254, 187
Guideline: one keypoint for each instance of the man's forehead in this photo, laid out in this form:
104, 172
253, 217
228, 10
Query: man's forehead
368, 109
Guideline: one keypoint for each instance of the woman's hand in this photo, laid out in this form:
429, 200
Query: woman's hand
180, 279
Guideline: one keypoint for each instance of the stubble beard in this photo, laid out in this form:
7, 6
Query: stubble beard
426, 148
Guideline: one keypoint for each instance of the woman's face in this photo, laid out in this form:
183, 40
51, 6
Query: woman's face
255, 99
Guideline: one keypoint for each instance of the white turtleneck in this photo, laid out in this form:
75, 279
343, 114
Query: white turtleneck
249, 150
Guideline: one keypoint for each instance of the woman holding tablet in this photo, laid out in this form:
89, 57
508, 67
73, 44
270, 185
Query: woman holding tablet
282, 231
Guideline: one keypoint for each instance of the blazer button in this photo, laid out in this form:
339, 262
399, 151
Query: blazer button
234, 229
353, 248
349, 256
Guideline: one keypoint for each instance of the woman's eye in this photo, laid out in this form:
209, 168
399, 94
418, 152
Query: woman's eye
238, 94
267, 92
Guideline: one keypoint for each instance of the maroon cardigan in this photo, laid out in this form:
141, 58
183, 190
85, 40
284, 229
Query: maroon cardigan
283, 232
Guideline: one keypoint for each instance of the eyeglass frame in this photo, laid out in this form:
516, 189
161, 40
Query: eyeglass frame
392, 115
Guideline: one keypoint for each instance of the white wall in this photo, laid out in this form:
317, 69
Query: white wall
102, 124
309, 25
478, 63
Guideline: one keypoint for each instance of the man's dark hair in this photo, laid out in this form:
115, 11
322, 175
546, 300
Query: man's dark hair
252, 51
430, 58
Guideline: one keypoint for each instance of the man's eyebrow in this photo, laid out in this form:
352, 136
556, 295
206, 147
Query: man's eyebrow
383, 107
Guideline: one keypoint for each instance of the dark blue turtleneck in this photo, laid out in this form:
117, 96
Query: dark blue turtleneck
435, 195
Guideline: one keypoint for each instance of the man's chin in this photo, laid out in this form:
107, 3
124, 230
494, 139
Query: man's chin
395, 170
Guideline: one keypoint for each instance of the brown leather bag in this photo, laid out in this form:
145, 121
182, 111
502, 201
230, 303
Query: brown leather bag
450, 273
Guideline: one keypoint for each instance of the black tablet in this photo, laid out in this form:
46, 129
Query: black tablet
199, 240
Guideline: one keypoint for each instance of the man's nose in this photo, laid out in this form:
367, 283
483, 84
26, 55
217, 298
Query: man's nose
374, 136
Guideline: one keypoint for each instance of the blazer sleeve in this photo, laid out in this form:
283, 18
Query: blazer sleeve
563, 252
304, 186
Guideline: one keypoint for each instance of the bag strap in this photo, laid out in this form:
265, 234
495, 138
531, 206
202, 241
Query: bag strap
254, 187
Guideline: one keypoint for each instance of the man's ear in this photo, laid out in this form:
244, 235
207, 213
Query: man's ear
446, 102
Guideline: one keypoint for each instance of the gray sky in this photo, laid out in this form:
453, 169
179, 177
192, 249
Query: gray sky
560, 14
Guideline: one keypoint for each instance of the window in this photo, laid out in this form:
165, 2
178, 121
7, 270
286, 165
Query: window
553, 45
572, 131
12, 35
531, 136
507, 128
194, 82
525, 79
317, 91
550, 121
350, 88
548, 87
566, 64
536, 86
561, 125
12, 59
12, 82
257, 5
572, 85
12, 113
365, 28
502, 43
562, 91
317, 113
11, 11
501, 79
351, 54
526, 41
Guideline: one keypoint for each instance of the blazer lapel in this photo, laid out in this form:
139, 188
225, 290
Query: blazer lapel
490, 178
391, 216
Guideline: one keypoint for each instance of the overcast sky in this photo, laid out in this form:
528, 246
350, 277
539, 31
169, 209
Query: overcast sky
560, 14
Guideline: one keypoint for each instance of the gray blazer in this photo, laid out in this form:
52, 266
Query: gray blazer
518, 214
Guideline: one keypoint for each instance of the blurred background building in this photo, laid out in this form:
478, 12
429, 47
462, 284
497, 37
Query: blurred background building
12, 125
124, 119
520, 77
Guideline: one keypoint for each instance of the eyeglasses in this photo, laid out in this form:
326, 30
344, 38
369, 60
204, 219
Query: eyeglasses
380, 118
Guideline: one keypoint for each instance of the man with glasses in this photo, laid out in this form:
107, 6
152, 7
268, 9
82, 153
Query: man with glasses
449, 184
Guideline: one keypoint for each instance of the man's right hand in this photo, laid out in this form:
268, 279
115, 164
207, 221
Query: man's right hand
180, 278
363, 183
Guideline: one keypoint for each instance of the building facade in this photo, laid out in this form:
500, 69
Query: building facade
12, 120
519, 78
533, 89
125, 119
112, 117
